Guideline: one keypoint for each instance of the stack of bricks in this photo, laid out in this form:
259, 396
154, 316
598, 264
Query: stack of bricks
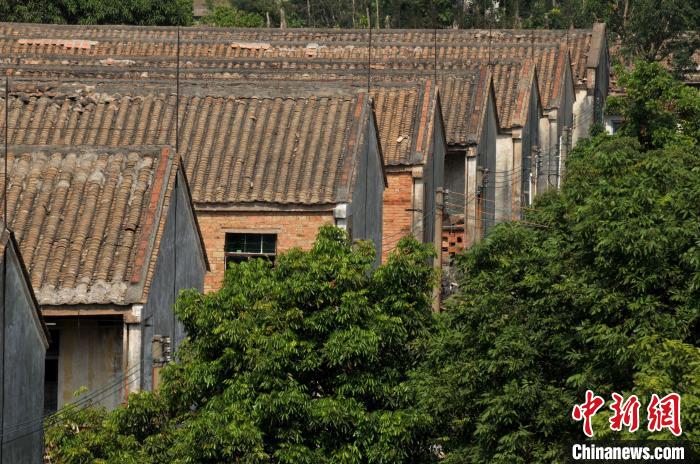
452, 242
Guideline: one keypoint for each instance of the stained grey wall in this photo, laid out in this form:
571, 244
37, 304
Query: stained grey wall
434, 175
180, 265
366, 208
486, 158
602, 82
565, 123
23, 350
531, 139
455, 174
90, 355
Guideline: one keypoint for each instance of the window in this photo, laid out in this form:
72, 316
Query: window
240, 247
616, 124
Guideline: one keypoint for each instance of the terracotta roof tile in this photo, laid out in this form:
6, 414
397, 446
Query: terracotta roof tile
402, 112
122, 42
237, 149
86, 219
452, 59
454, 88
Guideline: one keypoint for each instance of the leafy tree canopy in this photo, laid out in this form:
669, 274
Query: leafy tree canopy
662, 30
303, 362
600, 290
136, 12
657, 108
226, 16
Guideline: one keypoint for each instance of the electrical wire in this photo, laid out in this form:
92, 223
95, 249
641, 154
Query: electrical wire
108, 386
52, 423
55, 418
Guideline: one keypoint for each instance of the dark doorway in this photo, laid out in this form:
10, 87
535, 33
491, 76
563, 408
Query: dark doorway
51, 374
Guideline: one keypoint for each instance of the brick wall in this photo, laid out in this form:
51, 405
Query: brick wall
452, 242
293, 229
397, 205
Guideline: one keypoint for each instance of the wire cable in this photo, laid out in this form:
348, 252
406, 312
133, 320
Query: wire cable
108, 386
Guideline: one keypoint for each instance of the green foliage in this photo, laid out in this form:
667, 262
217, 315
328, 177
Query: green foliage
224, 16
659, 29
605, 296
137, 12
90, 435
303, 362
657, 108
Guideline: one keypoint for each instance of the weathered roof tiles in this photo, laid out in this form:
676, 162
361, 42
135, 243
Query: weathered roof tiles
237, 149
86, 220
127, 41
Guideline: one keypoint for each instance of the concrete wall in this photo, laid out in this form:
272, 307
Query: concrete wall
602, 83
589, 107
542, 161
530, 140
23, 348
565, 124
180, 265
90, 355
433, 178
486, 160
555, 136
583, 115
455, 168
366, 209
503, 176
472, 233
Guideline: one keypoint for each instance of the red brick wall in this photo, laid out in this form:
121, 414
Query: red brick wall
293, 229
452, 242
397, 214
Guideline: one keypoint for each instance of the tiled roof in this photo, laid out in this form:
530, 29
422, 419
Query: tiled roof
458, 93
550, 60
513, 82
124, 42
87, 220
247, 149
405, 118
464, 105
198, 41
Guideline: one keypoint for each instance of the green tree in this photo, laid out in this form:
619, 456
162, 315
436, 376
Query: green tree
225, 16
137, 12
662, 30
599, 289
303, 362
656, 107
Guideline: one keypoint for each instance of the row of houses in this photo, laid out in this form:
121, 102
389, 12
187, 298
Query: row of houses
143, 161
